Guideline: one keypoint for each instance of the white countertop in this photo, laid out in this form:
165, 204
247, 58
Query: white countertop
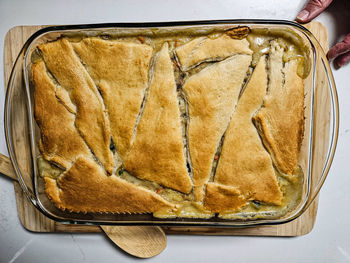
329, 241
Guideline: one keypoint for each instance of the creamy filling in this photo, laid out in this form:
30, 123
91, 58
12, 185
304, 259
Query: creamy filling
293, 45
48, 169
291, 188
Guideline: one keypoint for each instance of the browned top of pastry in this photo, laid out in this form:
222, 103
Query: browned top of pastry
91, 118
157, 153
223, 198
200, 154
85, 187
244, 163
120, 70
59, 145
212, 95
206, 49
281, 119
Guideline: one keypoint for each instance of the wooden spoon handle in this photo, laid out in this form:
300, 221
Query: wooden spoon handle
6, 167
139, 241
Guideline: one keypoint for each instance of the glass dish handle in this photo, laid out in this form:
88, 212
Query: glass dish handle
16, 74
333, 133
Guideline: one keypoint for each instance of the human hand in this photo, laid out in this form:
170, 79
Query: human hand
341, 51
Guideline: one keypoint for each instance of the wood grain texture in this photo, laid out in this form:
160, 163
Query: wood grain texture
34, 221
6, 167
151, 240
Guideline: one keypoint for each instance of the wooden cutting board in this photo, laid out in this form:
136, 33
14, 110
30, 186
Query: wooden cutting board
34, 221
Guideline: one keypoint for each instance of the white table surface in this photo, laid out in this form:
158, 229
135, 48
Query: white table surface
329, 241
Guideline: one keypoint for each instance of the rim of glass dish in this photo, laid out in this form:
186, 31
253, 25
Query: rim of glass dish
62, 28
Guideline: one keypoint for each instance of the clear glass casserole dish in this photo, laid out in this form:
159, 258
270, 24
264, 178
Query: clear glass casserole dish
22, 133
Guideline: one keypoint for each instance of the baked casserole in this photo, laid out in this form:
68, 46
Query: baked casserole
182, 125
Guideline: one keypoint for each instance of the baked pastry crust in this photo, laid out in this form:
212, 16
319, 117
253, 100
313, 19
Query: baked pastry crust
60, 146
189, 142
91, 119
280, 121
244, 163
86, 188
157, 153
212, 95
206, 49
223, 198
120, 71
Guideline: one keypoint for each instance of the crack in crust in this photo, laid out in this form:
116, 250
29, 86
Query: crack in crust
91, 117
219, 147
60, 146
204, 49
86, 188
244, 163
184, 113
280, 121
212, 95
144, 100
157, 153
121, 71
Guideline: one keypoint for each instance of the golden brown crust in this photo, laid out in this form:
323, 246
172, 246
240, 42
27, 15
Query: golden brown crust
244, 163
223, 198
281, 120
212, 95
91, 119
52, 191
86, 188
157, 153
74, 116
120, 70
184, 52
59, 145
210, 49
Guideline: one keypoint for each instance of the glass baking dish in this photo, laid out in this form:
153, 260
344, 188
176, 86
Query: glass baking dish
22, 133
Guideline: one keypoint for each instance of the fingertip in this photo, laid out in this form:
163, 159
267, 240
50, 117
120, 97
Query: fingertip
339, 49
342, 60
312, 9
303, 16
330, 55
336, 65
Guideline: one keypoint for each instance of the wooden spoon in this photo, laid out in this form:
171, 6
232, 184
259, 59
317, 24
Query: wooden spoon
139, 241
